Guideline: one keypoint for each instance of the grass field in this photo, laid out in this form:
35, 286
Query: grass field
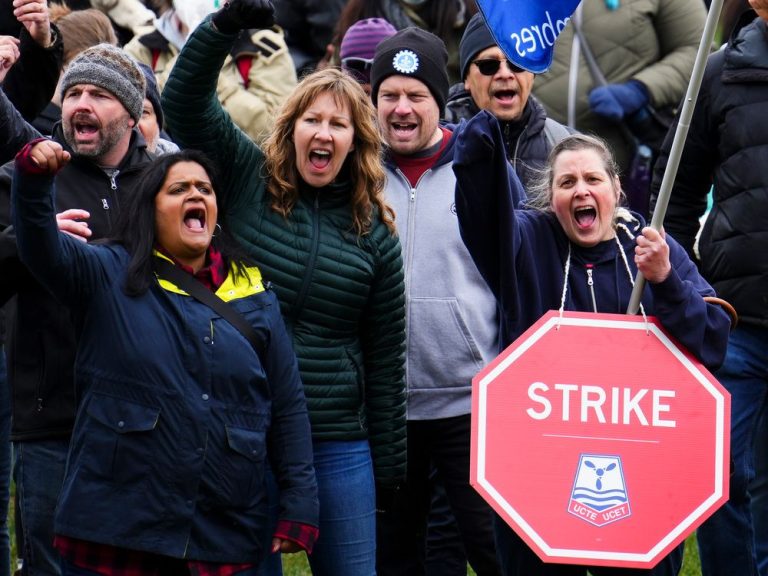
296, 564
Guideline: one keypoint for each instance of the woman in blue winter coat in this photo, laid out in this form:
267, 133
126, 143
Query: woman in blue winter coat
178, 410
574, 248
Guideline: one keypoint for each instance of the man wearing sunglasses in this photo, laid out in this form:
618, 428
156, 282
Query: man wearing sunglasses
452, 326
492, 82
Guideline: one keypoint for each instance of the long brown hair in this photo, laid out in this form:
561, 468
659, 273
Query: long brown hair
364, 161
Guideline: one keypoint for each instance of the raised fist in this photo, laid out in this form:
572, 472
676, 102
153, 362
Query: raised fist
239, 15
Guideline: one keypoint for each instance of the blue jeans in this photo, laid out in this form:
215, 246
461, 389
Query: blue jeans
5, 468
347, 494
728, 542
347, 542
39, 475
758, 490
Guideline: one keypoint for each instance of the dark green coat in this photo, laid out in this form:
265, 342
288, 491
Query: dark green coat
342, 296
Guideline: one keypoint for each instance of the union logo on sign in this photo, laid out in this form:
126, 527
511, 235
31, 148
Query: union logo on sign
599, 494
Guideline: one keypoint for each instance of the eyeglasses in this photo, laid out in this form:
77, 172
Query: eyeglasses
489, 66
357, 64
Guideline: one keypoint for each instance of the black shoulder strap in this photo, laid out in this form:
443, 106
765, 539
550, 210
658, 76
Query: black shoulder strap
168, 271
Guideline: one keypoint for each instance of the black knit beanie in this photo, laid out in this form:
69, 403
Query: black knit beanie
477, 37
412, 52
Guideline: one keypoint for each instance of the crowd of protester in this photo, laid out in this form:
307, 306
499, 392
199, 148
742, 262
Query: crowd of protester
252, 253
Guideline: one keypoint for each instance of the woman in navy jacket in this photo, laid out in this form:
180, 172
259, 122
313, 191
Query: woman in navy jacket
573, 247
178, 413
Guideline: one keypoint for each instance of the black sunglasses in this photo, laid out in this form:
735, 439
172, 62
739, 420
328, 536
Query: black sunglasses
357, 64
489, 66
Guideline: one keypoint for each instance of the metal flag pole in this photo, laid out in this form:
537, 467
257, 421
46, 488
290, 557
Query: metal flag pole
680, 135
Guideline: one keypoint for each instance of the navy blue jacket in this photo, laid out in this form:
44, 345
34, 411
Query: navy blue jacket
177, 414
522, 254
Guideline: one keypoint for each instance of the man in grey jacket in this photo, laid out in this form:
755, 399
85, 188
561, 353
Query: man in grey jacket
452, 327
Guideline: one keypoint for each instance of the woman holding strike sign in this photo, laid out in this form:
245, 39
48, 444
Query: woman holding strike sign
575, 248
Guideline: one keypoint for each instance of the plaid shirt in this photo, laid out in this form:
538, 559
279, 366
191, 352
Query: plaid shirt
212, 275
112, 561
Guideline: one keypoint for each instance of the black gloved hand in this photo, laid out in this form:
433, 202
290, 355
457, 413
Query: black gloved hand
239, 15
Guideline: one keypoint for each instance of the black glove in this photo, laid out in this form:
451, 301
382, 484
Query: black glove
239, 15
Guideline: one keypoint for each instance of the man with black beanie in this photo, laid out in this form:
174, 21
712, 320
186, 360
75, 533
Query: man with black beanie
452, 327
492, 82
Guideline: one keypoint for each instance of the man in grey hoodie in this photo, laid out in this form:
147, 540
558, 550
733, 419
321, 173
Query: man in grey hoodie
452, 327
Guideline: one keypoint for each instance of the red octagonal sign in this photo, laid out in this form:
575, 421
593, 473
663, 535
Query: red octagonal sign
599, 440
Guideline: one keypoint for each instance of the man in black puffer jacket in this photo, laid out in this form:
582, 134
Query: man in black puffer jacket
727, 145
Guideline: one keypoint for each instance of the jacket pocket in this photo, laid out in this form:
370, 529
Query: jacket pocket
356, 358
239, 476
442, 352
118, 438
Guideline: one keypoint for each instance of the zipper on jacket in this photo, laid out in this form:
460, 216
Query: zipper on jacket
112, 175
310, 267
591, 285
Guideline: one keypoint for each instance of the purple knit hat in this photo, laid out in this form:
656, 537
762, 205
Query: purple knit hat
359, 46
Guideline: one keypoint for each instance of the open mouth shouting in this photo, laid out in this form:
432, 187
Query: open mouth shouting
585, 217
85, 128
320, 159
404, 129
194, 219
505, 97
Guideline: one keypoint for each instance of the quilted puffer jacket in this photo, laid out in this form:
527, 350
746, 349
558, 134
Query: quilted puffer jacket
342, 296
652, 41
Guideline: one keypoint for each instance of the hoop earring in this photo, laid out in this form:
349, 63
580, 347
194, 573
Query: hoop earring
217, 230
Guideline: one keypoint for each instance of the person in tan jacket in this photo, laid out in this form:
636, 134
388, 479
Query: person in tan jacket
256, 78
645, 49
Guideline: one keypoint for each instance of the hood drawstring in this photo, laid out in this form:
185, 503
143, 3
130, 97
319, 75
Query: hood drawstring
590, 277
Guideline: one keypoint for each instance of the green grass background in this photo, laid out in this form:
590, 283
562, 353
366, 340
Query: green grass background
296, 564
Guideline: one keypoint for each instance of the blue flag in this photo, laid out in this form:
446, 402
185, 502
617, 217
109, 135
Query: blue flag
526, 30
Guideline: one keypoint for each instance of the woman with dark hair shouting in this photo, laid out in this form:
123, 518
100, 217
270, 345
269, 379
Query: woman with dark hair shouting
182, 401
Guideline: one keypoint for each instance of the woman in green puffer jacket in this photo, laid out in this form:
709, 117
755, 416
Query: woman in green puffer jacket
310, 212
